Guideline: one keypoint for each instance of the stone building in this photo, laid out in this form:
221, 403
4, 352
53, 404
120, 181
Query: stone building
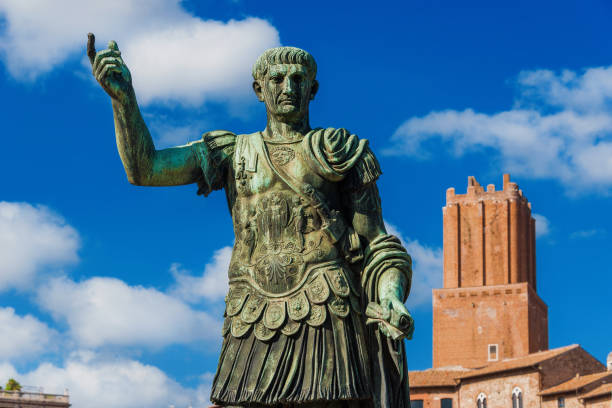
31, 399
490, 327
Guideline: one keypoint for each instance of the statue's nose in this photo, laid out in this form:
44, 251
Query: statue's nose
289, 86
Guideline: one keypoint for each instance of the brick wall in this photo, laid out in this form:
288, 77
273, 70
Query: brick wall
489, 236
489, 294
571, 401
431, 397
467, 320
498, 390
565, 366
605, 401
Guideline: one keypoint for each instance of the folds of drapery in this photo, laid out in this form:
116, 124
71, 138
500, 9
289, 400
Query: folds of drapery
338, 155
389, 369
323, 363
214, 152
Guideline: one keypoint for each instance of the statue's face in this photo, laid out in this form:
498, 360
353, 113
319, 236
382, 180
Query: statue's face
286, 91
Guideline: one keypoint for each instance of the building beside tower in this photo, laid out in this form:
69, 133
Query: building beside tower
31, 397
490, 327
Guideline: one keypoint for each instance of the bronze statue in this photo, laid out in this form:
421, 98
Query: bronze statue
312, 263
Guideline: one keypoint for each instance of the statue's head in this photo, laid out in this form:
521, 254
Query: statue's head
285, 81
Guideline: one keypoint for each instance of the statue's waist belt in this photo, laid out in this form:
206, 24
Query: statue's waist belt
328, 288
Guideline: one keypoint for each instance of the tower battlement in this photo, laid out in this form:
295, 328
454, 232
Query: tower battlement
476, 192
489, 236
489, 243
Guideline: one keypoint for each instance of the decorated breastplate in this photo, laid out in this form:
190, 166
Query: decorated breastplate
276, 240
285, 269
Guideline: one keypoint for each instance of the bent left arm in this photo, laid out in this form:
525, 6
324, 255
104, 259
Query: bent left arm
393, 286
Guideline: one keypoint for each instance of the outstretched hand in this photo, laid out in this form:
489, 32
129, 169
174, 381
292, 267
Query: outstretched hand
110, 71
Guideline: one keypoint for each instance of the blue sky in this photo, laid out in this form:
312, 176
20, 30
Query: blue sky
116, 291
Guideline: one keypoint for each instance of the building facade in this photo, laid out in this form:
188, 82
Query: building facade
26, 399
490, 327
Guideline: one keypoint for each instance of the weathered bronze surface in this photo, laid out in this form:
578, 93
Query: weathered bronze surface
312, 264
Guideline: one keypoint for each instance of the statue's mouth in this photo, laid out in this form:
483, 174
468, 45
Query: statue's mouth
287, 101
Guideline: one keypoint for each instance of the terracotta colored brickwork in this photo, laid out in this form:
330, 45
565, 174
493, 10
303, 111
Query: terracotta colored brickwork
468, 320
432, 397
489, 236
600, 397
573, 390
603, 401
569, 401
489, 298
498, 390
489, 292
565, 366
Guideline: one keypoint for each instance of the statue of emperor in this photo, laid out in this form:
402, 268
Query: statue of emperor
312, 264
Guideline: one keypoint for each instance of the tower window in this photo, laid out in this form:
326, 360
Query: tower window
481, 401
517, 398
561, 402
446, 403
493, 356
416, 403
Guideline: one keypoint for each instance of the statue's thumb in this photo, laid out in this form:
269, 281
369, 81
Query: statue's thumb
91, 47
112, 45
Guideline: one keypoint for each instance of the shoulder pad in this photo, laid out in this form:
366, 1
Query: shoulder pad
218, 139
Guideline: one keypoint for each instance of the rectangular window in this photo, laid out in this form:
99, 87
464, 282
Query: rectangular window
561, 402
416, 403
493, 352
446, 403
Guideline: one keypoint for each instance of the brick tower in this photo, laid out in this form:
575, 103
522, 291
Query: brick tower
488, 309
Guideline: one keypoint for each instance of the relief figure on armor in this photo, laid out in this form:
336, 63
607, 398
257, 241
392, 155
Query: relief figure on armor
315, 313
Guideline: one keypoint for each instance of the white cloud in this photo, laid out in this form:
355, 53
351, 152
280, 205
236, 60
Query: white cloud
201, 59
542, 225
32, 238
22, 336
588, 233
167, 135
107, 311
173, 55
97, 381
212, 285
427, 269
559, 128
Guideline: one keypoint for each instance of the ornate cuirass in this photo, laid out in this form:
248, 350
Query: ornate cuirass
285, 268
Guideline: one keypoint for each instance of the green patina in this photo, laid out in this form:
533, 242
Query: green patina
312, 265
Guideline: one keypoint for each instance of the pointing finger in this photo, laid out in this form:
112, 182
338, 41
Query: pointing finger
91, 47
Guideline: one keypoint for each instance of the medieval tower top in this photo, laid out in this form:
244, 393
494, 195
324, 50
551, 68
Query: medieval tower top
488, 309
489, 236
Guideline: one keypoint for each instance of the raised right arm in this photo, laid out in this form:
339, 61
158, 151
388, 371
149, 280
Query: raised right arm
144, 165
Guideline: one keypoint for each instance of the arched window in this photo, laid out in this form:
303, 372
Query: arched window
481, 401
517, 398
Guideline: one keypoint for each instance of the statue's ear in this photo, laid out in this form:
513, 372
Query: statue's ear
315, 89
258, 91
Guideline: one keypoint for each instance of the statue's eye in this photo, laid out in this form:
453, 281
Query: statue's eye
277, 79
